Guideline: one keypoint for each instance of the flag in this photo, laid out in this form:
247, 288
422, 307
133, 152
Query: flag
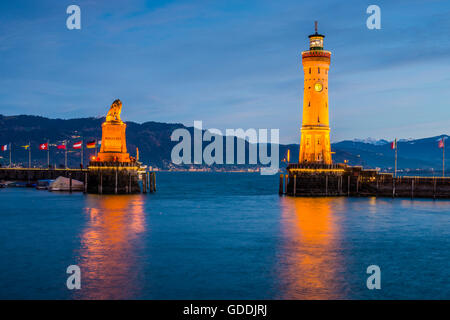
394, 144
441, 143
78, 145
90, 144
43, 146
62, 146
5, 147
26, 147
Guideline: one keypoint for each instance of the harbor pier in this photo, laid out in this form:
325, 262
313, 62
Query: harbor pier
322, 180
31, 175
101, 178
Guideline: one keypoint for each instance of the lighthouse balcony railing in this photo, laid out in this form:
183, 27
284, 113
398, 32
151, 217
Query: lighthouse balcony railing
316, 53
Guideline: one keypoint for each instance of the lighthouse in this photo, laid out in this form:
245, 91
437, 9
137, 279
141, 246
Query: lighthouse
316, 174
315, 132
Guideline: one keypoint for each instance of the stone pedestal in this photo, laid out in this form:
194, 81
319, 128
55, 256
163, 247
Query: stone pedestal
114, 146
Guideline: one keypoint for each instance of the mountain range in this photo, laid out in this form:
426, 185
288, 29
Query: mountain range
153, 140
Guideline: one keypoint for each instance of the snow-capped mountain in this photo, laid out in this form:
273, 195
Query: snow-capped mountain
373, 141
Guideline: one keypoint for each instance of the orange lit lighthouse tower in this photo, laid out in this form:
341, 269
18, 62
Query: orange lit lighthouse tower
315, 133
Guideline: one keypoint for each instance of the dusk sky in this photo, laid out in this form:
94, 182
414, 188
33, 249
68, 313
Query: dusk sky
232, 64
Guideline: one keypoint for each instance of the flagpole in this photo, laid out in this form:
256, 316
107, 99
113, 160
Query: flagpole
10, 164
29, 154
395, 172
82, 147
443, 157
48, 154
65, 160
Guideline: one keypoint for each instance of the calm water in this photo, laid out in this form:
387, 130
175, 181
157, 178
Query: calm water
221, 236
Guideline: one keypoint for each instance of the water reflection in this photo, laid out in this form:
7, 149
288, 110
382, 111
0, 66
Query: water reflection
310, 259
110, 247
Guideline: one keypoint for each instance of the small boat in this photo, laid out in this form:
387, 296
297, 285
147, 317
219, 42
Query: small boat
18, 184
63, 184
43, 184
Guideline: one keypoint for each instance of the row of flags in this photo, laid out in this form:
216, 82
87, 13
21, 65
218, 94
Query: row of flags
62, 146
441, 143
45, 146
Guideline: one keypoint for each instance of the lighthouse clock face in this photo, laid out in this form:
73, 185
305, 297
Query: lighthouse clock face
318, 87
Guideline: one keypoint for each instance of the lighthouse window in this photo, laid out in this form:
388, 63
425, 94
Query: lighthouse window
318, 70
309, 70
309, 104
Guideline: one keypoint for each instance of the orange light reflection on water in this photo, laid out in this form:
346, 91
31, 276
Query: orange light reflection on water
109, 246
310, 256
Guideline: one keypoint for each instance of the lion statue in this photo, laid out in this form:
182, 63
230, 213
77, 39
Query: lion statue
114, 112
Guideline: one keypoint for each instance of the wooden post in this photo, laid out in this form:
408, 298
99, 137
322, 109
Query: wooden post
148, 181
412, 188
348, 186
280, 188
286, 184
340, 185
129, 182
152, 178
326, 185
357, 185
152, 187
115, 185
144, 182
295, 184
101, 182
377, 185
434, 187
151, 182
85, 182
70, 182
393, 187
